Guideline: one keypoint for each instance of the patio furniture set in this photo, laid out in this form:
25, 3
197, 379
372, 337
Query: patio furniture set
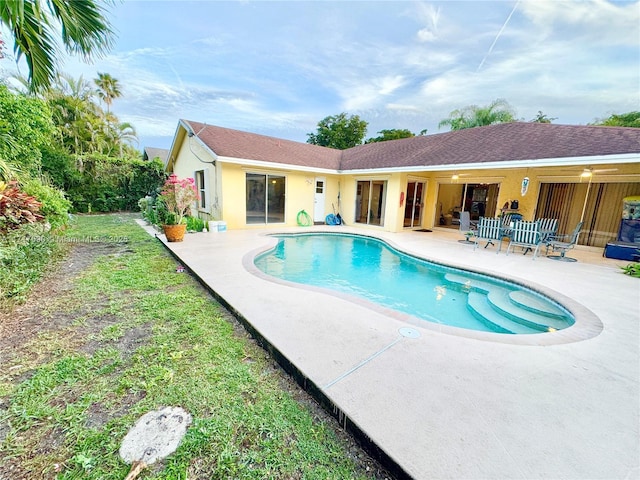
531, 236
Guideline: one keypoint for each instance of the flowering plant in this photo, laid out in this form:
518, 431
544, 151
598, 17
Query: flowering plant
178, 195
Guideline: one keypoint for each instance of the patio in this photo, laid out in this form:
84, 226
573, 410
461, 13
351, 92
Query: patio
449, 406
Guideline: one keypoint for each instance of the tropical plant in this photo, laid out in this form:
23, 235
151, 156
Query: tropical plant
178, 195
108, 88
25, 129
54, 206
632, 269
543, 118
498, 111
34, 24
195, 224
630, 119
17, 208
339, 131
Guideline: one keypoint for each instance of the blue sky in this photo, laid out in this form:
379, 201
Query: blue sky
277, 68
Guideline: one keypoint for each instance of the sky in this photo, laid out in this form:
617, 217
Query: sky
278, 68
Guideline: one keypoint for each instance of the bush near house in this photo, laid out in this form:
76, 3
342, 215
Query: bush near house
98, 183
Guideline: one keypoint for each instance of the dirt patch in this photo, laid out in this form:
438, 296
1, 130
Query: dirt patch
22, 323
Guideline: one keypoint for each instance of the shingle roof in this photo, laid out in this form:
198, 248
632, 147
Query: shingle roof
151, 152
494, 143
237, 144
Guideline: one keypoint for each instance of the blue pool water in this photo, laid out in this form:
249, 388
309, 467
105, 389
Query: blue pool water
369, 268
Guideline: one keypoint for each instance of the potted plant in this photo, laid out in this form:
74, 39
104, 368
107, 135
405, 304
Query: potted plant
177, 195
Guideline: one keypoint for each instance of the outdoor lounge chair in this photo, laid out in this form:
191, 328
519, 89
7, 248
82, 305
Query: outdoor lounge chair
526, 235
467, 228
489, 229
563, 243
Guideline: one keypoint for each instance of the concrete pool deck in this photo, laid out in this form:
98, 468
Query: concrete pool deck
442, 405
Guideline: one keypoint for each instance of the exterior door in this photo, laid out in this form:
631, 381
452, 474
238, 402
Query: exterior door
319, 199
414, 204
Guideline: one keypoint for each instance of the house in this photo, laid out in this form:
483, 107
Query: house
539, 170
151, 153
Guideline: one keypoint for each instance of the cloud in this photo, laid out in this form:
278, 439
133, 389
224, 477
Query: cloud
429, 15
602, 21
278, 68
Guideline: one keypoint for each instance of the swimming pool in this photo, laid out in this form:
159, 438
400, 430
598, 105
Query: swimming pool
371, 269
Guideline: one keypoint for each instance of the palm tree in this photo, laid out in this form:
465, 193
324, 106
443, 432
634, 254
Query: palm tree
126, 135
499, 111
74, 112
108, 88
34, 24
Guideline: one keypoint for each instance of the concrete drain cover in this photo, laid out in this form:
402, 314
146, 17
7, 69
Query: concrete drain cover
409, 332
155, 436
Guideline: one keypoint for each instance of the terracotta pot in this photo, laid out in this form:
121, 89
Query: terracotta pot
174, 233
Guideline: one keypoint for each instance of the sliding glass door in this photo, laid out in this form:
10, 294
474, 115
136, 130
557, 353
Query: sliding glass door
265, 198
371, 196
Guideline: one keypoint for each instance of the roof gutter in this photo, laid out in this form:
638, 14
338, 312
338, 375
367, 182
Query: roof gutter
528, 163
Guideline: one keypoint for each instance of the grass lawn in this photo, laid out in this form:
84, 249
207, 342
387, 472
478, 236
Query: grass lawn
115, 332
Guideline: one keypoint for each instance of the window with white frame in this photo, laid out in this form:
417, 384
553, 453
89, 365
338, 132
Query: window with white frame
201, 185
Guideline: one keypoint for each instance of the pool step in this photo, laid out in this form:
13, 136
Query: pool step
500, 300
469, 283
536, 304
481, 309
501, 308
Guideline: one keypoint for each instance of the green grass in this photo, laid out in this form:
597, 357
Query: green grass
24, 256
141, 336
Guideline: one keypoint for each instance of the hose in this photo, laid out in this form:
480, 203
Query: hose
303, 219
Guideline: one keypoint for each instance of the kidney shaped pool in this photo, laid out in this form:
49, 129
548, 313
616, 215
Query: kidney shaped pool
370, 268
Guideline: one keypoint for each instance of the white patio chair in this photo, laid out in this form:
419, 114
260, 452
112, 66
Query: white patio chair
548, 227
526, 235
489, 229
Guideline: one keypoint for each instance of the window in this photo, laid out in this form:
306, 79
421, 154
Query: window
265, 198
201, 185
370, 201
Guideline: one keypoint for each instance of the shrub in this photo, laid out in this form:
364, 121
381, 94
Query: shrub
104, 184
633, 269
55, 207
17, 208
195, 224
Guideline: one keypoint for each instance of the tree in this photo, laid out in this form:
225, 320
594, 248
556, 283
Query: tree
393, 134
542, 118
25, 128
35, 24
630, 119
339, 131
498, 111
108, 88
